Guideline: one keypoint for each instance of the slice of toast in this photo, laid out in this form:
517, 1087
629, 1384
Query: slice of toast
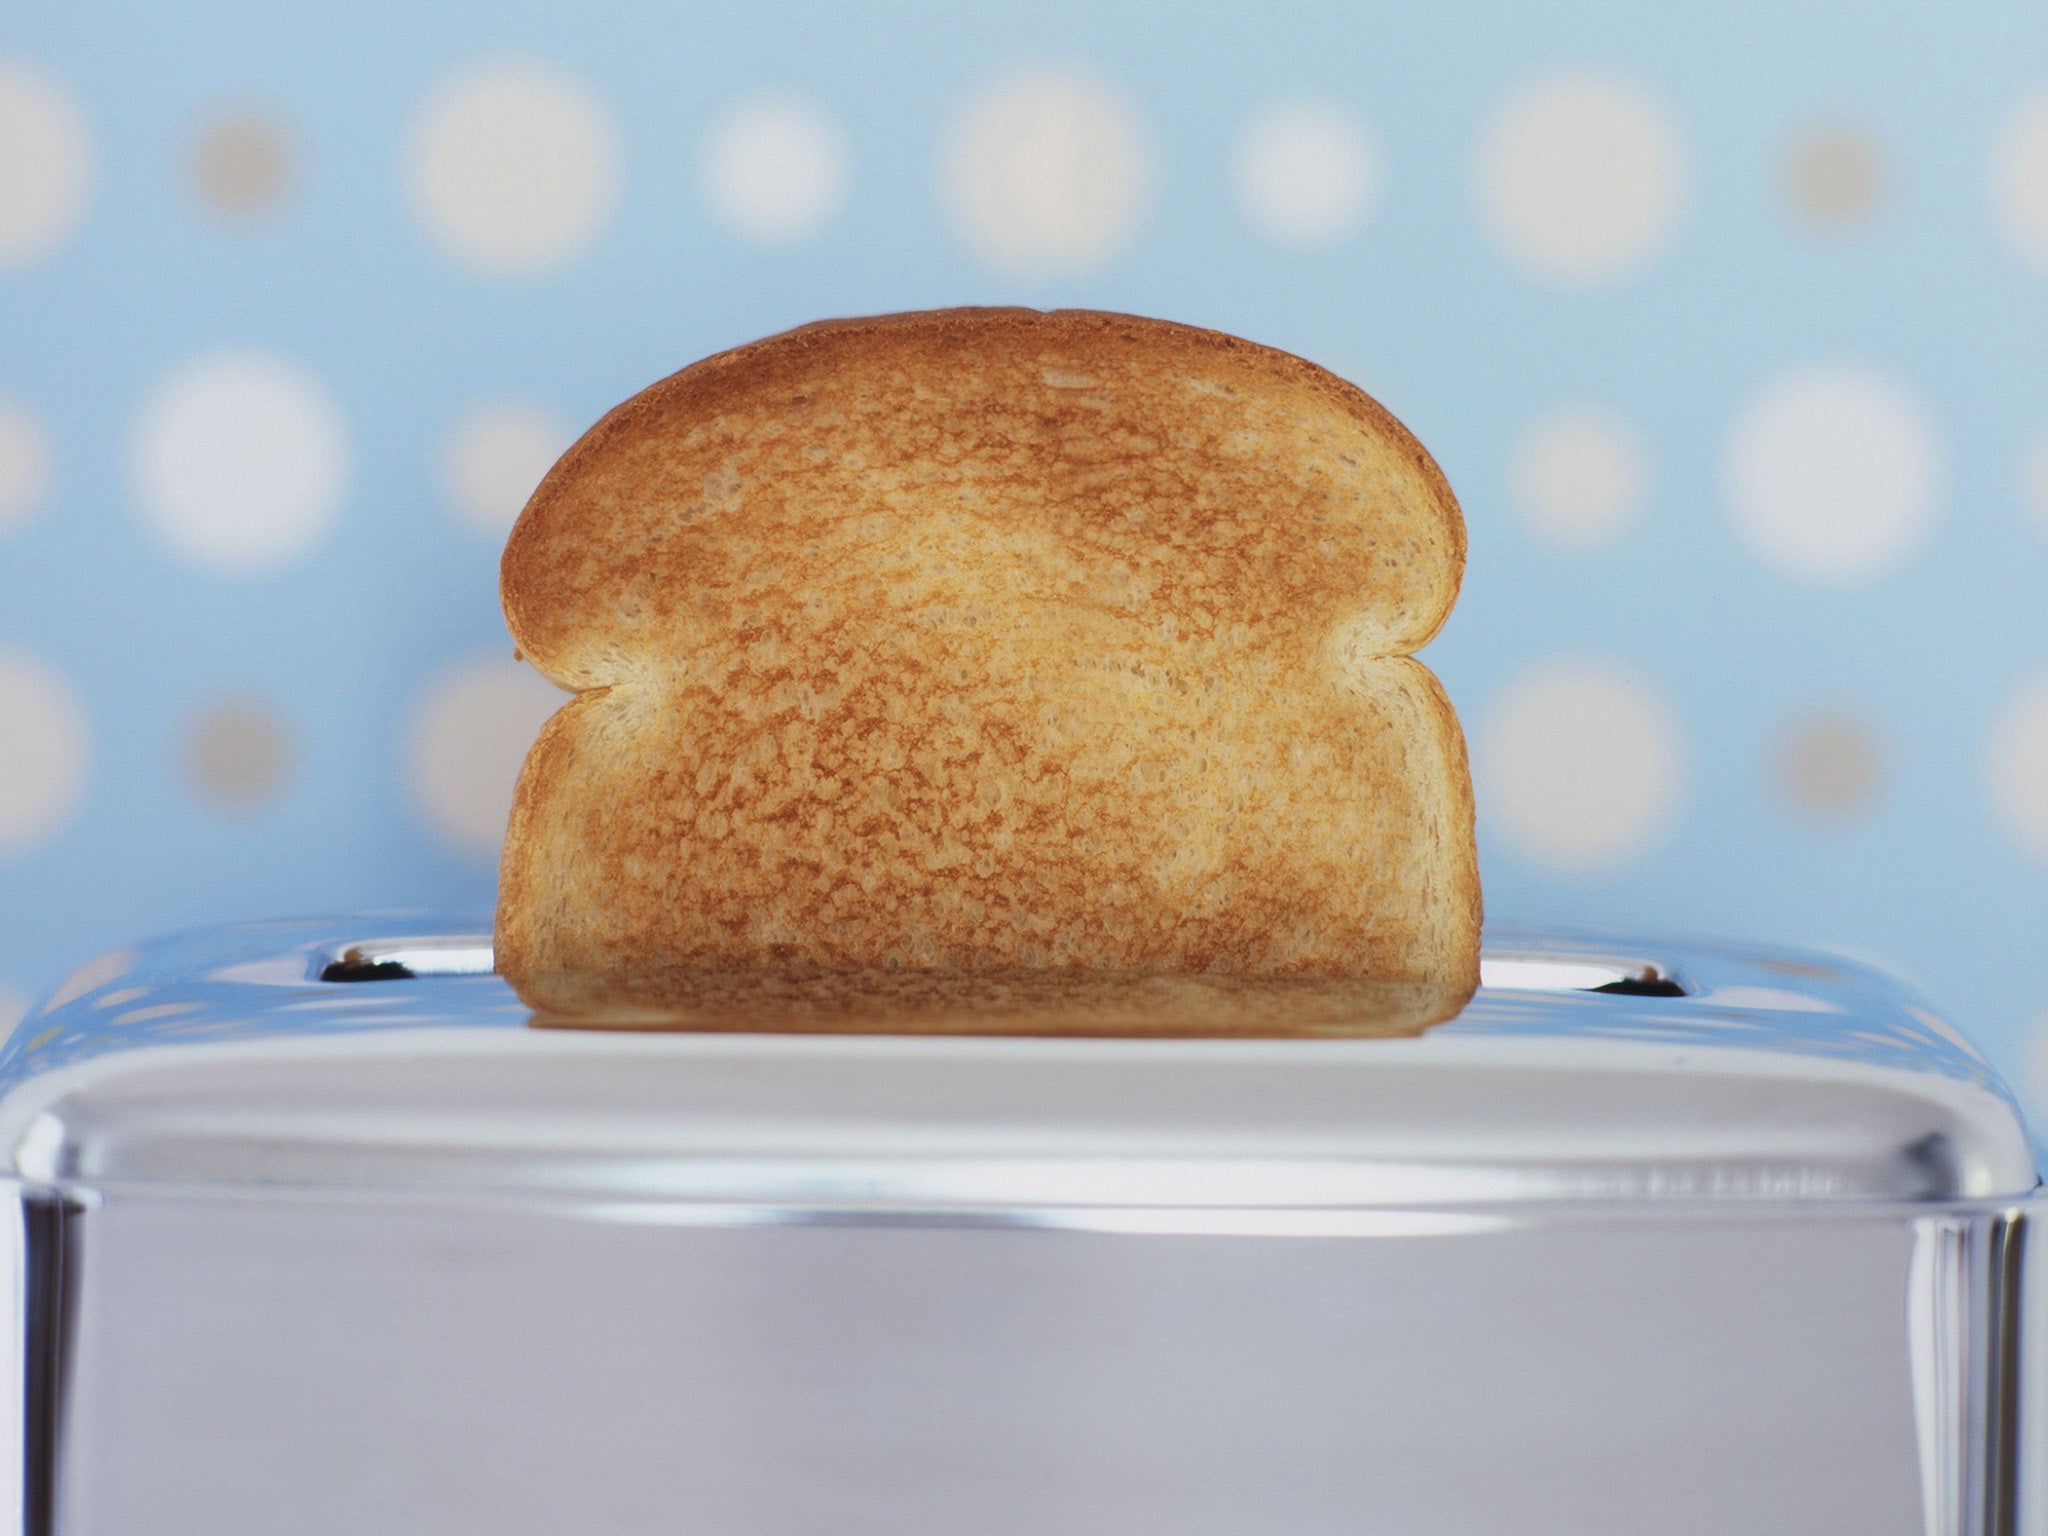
990, 669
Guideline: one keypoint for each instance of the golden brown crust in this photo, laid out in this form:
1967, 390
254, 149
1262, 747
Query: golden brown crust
799, 1000
989, 643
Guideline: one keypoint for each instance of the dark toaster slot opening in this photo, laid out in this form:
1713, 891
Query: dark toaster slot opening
350, 969
1642, 986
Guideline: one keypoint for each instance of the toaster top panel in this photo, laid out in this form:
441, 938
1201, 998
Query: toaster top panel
380, 1054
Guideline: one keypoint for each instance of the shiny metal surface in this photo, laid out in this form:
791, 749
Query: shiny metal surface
312, 1232
223, 1060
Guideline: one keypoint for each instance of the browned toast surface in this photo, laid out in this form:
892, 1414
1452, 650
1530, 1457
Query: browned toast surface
946, 648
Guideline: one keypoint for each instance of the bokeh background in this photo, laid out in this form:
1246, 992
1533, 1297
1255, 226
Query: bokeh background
1729, 325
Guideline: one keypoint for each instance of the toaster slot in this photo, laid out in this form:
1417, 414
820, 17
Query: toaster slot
405, 959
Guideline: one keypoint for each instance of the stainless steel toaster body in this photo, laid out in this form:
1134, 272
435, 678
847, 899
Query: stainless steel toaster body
313, 1232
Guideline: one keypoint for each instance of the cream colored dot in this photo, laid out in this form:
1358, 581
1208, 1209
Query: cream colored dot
1307, 173
1579, 476
1834, 179
2037, 481
1832, 475
154, 1012
1581, 178
46, 166
244, 167
514, 170
1829, 765
43, 753
2019, 767
13, 1009
471, 733
91, 976
239, 752
1579, 765
2019, 181
25, 465
1775, 999
495, 457
775, 170
239, 461
1046, 175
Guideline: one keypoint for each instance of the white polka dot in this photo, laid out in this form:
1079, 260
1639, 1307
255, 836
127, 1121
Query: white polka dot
45, 166
1579, 476
514, 170
2019, 181
775, 171
496, 455
2019, 766
13, 1009
239, 461
25, 461
1579, 765
1307, 173
42, 752
470, 737
1832, 475
1582, 177
1046, 175
2037, 481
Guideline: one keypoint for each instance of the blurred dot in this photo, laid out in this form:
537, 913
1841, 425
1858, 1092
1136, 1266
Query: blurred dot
2019, 767
2037, 1063
775, 171
1045, 175
91, 976
1581, 177
514, 170
45, 165
154, 1011
25, 465
2037, 480
1828, 764
1307, 173
243, 167
239, 461
42, 752
1579, 765
496, 455
1834, 179
239, 752
1832, 475
1579, 476
471, 734
13, 1009
2019, 181
1775, 999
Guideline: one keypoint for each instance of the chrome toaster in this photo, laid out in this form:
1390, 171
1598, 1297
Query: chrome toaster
314, 1232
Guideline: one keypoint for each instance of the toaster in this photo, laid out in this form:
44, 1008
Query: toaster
313, 1230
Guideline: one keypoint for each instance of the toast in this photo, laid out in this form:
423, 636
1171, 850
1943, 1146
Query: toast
987, 670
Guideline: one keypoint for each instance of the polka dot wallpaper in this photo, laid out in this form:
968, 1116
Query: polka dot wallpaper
1730, 328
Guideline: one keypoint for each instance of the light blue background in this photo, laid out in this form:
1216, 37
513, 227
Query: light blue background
1421, 307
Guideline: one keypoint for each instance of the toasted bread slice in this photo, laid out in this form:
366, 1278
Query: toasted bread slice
992, 669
